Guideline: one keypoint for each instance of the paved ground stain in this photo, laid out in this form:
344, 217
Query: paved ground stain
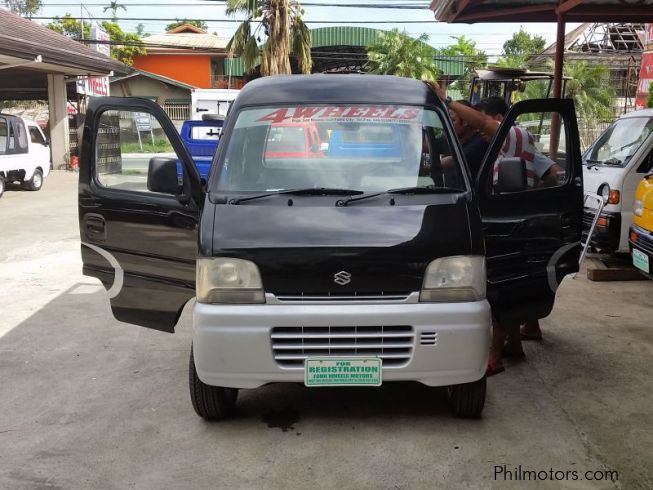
284, 419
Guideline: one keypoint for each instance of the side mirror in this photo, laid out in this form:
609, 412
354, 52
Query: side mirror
511, 176
162, 176
647, 165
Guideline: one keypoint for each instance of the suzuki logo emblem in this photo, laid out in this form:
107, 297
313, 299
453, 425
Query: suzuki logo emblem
342, 278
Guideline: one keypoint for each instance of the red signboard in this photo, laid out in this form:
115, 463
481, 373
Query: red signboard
645, 80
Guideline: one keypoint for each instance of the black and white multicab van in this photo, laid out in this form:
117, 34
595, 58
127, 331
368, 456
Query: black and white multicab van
364, 261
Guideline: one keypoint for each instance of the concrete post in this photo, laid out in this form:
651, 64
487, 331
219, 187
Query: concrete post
59, 138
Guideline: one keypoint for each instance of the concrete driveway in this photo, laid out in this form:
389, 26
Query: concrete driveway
88, 402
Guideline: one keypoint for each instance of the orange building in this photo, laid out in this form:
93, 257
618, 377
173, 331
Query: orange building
189, 55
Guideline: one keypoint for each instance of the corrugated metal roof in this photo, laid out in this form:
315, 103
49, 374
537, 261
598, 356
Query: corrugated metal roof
185, 40
542, 10
344, 36
21, 38
154, 76
358, 37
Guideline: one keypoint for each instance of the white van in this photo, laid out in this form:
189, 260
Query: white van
211, 102
24, 153
612, 168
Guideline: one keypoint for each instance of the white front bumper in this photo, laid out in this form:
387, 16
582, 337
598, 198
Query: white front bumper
232, 344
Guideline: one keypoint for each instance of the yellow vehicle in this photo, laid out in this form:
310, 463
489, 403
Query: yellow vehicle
641, 232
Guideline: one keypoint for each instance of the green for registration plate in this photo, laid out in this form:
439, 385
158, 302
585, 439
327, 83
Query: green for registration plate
342, 371
640, 260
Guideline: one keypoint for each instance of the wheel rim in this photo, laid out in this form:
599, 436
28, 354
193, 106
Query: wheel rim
2, 186
37, 180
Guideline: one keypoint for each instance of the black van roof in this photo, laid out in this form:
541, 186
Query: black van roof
335, 89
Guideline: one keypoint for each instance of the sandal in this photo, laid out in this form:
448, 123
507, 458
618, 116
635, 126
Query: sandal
513, 355
493, 369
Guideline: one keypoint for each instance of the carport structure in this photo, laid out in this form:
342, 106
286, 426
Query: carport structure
560, 11
38, 64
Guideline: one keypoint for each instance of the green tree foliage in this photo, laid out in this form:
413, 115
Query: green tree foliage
283, 28
591, 90
518, 49
180, 22
113, 7
474, 58
396, 53
68, 26
24, 8
132, 43
649, 102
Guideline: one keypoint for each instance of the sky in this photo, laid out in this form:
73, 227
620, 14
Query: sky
489, 37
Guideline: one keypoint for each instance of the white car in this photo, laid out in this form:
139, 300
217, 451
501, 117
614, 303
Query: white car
24, 153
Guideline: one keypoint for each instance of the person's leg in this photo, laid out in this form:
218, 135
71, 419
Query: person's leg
495, 363
512, 346
531, 330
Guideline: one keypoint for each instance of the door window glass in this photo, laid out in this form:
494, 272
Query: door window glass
533, 154
11, 140
21, 136
127, 145
36, 136
3, 136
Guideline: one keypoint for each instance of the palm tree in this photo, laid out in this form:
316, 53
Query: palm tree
285, 32
591, 90
114, 6
396, 53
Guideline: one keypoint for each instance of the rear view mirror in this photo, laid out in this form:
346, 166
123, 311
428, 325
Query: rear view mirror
162, 176
511, 176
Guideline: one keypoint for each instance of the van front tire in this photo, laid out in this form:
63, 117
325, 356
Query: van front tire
467, 400
210, 402
35, 183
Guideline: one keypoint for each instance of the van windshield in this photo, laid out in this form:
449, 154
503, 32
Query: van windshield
361, 147
620, 142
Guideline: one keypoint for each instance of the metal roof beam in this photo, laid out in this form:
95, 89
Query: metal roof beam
565, 7
502, 12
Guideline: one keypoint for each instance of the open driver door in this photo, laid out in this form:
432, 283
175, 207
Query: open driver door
140, 198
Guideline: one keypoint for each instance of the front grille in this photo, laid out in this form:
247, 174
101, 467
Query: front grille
644, 242
429, 338
292, 345
588, 218
383, 297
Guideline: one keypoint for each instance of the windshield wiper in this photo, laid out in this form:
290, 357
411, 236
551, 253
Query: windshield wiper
429, 189
308, 191
402, 190
613, 162
592, 163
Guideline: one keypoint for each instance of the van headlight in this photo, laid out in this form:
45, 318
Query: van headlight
608, 195
638, 207
227, 280
457, 278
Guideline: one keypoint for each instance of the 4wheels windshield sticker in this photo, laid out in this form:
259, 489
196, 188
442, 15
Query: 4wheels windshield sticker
344, 113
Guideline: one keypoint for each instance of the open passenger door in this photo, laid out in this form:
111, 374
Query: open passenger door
140, 197
530, 192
